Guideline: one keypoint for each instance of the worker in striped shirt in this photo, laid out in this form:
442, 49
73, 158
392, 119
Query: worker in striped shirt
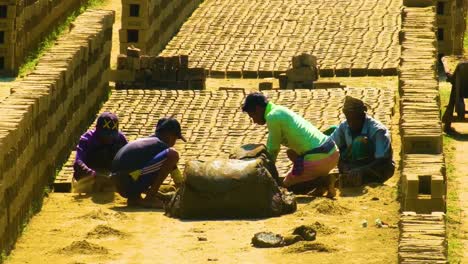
143, 165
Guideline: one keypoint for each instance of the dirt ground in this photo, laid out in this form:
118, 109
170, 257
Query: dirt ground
74, 229
461, 170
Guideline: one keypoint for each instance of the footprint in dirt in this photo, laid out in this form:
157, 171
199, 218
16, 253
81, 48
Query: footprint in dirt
83, 247
103, 231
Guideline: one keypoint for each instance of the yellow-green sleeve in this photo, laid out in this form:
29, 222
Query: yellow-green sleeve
274, 138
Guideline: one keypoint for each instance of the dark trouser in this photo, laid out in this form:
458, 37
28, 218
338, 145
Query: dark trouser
380, 172
129, 188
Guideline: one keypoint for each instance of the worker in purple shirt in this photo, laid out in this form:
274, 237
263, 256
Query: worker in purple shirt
95, 152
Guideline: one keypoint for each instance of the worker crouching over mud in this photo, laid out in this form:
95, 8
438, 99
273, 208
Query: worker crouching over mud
314, 154
364, 143
143, 165
94, 154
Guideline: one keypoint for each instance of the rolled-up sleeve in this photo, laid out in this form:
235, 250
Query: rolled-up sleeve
274, 138
383, 144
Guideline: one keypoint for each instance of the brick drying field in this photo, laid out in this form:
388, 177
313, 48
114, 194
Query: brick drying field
214, 124
249, 39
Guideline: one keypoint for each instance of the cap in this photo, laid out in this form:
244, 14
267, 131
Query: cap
107, 124
254, 99
352, 104
170, 124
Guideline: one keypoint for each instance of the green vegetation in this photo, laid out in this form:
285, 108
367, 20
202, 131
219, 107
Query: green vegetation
33, 58
455, 246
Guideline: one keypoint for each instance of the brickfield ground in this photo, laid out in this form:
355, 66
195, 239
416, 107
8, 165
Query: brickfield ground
356, 34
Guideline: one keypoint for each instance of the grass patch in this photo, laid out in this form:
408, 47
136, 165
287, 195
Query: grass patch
454, 212
454, 218
33, 57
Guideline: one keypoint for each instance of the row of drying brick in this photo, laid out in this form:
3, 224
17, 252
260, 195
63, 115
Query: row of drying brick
420, 123
422, 239
45, 113
251, 39
423, 181
24, 24
150, 24
214, 124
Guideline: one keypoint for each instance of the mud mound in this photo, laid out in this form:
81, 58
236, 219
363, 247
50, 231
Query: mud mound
322, 229
102, 231
302, 247
83, 247
329, 207
104, 216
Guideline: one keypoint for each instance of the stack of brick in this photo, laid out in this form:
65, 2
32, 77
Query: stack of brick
303, 73
418, 83
150, 24
424, 185
423, 177
45, 114
135, 71
23, 24
422, 238
451, 20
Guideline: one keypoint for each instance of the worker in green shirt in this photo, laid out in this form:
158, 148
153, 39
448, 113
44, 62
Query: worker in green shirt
313, 154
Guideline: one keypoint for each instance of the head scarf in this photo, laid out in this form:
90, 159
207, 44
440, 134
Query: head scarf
352, 104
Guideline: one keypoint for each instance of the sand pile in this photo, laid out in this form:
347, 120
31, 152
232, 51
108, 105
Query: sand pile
102, 231
83, 247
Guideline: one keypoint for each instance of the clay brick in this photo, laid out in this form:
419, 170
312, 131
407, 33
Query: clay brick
301, 74
424, 205
438, 187
422, 144
121, 76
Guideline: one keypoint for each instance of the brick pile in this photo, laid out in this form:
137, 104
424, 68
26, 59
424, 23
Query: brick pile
422, 239
45, 113
23, 24
250, 39
420, 124
451, 25
424, 184
150, 24
214, 124
135, 71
